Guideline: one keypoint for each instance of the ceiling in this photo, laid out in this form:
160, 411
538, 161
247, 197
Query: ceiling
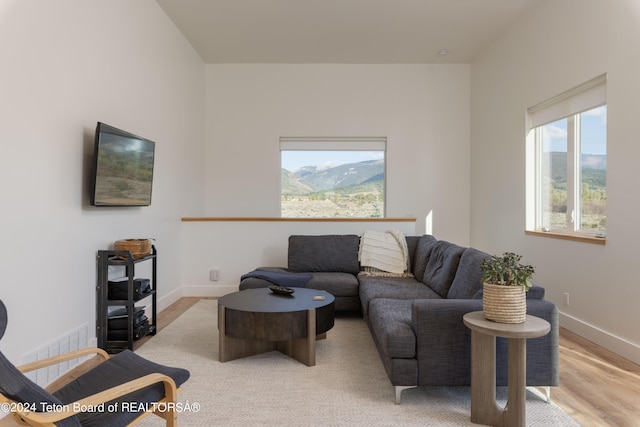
342, 31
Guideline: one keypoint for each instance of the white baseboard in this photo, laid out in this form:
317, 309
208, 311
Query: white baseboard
618, 345
207, 291
169, 299
194, 291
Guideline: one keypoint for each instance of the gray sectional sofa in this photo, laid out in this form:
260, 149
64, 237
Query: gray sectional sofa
415, 319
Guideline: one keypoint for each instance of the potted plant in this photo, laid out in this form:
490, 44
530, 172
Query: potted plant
505, 281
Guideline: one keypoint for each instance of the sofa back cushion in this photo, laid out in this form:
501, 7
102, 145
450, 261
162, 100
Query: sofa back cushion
325, 253
441, 267
467, 283
421, 255
412, 242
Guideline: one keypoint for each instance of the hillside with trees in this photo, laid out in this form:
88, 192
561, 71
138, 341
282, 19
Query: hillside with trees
349, 190
593, 190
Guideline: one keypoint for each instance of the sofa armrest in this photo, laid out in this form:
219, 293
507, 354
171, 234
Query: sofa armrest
535, 292
443, 343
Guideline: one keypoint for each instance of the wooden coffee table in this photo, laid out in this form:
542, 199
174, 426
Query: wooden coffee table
255, 321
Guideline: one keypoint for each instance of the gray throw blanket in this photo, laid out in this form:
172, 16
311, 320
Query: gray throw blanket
289, 280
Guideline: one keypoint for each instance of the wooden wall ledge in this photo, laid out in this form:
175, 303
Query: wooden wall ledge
280, 219
567, 236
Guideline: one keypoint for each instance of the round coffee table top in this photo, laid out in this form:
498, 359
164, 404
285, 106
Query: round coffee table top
532, 327
263, 300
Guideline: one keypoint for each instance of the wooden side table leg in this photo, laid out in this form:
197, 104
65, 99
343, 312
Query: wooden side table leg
515, 412
484, 409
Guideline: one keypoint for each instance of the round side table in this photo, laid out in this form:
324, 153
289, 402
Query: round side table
484, 408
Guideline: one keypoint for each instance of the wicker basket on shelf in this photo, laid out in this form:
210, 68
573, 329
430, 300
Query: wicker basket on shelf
139, 248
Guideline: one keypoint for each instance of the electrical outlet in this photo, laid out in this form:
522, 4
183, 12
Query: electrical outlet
213, 275
566, 299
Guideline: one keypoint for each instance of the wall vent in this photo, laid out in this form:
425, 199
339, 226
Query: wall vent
74, 340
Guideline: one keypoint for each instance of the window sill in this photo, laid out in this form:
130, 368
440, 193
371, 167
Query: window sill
568, 236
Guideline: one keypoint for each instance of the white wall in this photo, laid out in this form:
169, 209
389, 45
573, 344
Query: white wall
66, 65
423, 110
558, 45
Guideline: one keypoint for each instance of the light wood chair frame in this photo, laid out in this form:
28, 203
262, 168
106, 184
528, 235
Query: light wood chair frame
48, 419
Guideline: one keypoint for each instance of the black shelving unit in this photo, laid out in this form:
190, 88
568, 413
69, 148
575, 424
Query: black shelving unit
106, 259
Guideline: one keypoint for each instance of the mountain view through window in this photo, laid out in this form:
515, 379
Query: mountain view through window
328, 184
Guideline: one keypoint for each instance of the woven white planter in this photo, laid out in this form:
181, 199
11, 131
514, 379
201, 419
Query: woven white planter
504, 304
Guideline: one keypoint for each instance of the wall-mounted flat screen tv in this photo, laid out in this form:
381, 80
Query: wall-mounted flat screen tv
123, 168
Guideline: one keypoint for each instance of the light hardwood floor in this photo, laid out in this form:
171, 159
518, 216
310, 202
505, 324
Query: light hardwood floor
597, 387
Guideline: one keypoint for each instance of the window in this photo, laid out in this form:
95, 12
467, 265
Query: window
332, 177
567, 162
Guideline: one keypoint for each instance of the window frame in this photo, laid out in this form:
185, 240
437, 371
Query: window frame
569, 105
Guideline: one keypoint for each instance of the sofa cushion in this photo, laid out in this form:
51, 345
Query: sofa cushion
337, 284
390, 323
412, 243
441, 267
468, 280
400, 288
421, 256
325, 253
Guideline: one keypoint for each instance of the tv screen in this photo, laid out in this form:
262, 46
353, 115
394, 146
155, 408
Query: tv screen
123, 168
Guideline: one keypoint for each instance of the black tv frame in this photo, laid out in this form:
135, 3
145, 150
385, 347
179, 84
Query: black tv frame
131, 166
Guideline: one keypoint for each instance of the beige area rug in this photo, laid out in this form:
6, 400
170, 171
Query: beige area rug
347, 387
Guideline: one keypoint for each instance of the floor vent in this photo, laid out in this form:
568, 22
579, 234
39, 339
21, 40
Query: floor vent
77, 338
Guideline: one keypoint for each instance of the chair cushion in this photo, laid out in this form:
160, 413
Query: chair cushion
3, 318
123, 367
325, 253
18, 387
